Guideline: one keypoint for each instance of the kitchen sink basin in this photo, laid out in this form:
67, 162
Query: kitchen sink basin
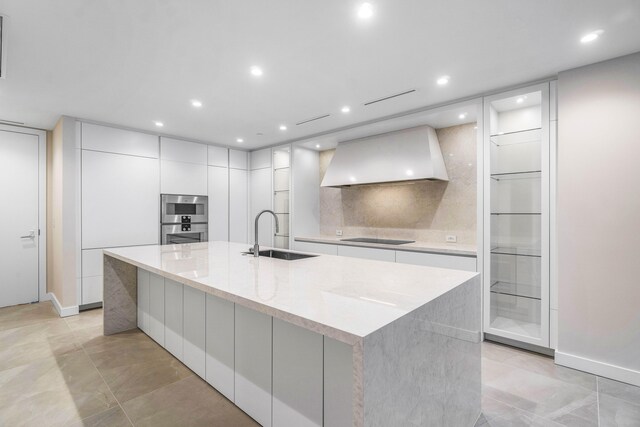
378, 241
289, 256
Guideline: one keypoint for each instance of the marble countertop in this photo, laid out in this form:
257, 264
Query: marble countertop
341, 297
436, 248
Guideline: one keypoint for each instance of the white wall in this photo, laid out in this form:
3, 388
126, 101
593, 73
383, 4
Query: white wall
599, 218
62, 222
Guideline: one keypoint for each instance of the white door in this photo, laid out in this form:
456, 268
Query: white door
18, 218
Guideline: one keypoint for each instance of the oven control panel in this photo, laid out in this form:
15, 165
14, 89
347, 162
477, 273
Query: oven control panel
186, 219
186, 227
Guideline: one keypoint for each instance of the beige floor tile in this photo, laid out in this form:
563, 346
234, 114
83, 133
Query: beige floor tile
520, 418
536, 363
114, 417
618, 413
619, 390
21, 354
27, 314
53, 391
135, 352
93, 340
131, 381
85, 319
532, 392
189, 402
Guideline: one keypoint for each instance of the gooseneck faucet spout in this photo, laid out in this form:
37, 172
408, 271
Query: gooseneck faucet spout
256, 247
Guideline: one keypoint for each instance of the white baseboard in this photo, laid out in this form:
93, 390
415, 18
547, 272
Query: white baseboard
62, 311
601, 369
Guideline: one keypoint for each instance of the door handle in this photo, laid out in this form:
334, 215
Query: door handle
31, 235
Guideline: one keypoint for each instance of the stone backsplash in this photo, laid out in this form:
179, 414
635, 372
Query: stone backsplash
425, 211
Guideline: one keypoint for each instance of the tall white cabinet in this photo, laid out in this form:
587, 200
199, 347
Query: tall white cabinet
517, 213
119, 199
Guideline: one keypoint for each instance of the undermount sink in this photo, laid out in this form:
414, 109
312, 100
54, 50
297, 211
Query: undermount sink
288, 256
378, 241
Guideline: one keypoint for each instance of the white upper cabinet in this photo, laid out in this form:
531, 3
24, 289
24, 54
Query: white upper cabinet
260, 159
218, 156
120, 141
183, 178
183, 151
238, 159
120, 200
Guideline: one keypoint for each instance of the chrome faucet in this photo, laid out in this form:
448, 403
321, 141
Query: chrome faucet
256, 247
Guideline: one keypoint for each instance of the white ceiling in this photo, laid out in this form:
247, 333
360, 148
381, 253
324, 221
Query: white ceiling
131, 63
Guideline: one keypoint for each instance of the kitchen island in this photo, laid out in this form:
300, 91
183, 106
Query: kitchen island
325, 340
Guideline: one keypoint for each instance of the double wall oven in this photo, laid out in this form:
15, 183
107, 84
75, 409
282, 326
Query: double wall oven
183, 219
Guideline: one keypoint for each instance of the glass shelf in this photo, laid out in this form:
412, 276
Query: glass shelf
502, 250
503, 176
516, 290
517, 137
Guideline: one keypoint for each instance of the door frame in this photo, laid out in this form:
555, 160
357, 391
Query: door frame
42, 203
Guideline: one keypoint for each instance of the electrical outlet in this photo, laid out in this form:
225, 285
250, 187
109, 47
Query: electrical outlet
452, 239
339, 233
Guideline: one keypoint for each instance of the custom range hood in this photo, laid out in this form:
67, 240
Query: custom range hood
407, 155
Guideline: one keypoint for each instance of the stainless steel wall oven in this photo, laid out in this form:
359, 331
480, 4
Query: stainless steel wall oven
183, 219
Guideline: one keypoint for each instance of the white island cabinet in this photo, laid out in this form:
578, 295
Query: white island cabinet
321, 341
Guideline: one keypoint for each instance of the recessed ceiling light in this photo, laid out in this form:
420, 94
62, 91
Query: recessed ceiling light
443, 80
256, 71
588, 38
409, 172
365, 11
317, 145
239, 140
345, 109
196, 103
352, 179
462, 116
159, 124
283, 127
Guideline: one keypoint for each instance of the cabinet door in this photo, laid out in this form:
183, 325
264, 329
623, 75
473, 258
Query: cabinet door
143, 300
218, 203
318, 248
156, 308
253, 364
194, 327
183, 178
238, 206
297, 376
238, 159
92, 271
367, 253
437, 260
119, 141
218, 156
183, 151
120, 200
220, 345
173, 318
260, 159
338, 383
261, 198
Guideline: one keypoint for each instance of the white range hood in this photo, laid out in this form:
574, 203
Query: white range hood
406, 155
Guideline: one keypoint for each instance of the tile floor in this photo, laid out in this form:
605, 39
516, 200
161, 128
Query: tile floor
64, 372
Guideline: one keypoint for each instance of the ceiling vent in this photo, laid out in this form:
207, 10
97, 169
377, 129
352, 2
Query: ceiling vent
313, 119
3, 46
406, 92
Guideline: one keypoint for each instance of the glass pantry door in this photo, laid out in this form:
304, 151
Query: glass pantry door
517, 215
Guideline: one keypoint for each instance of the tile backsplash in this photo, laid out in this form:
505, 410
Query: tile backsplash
425, 211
